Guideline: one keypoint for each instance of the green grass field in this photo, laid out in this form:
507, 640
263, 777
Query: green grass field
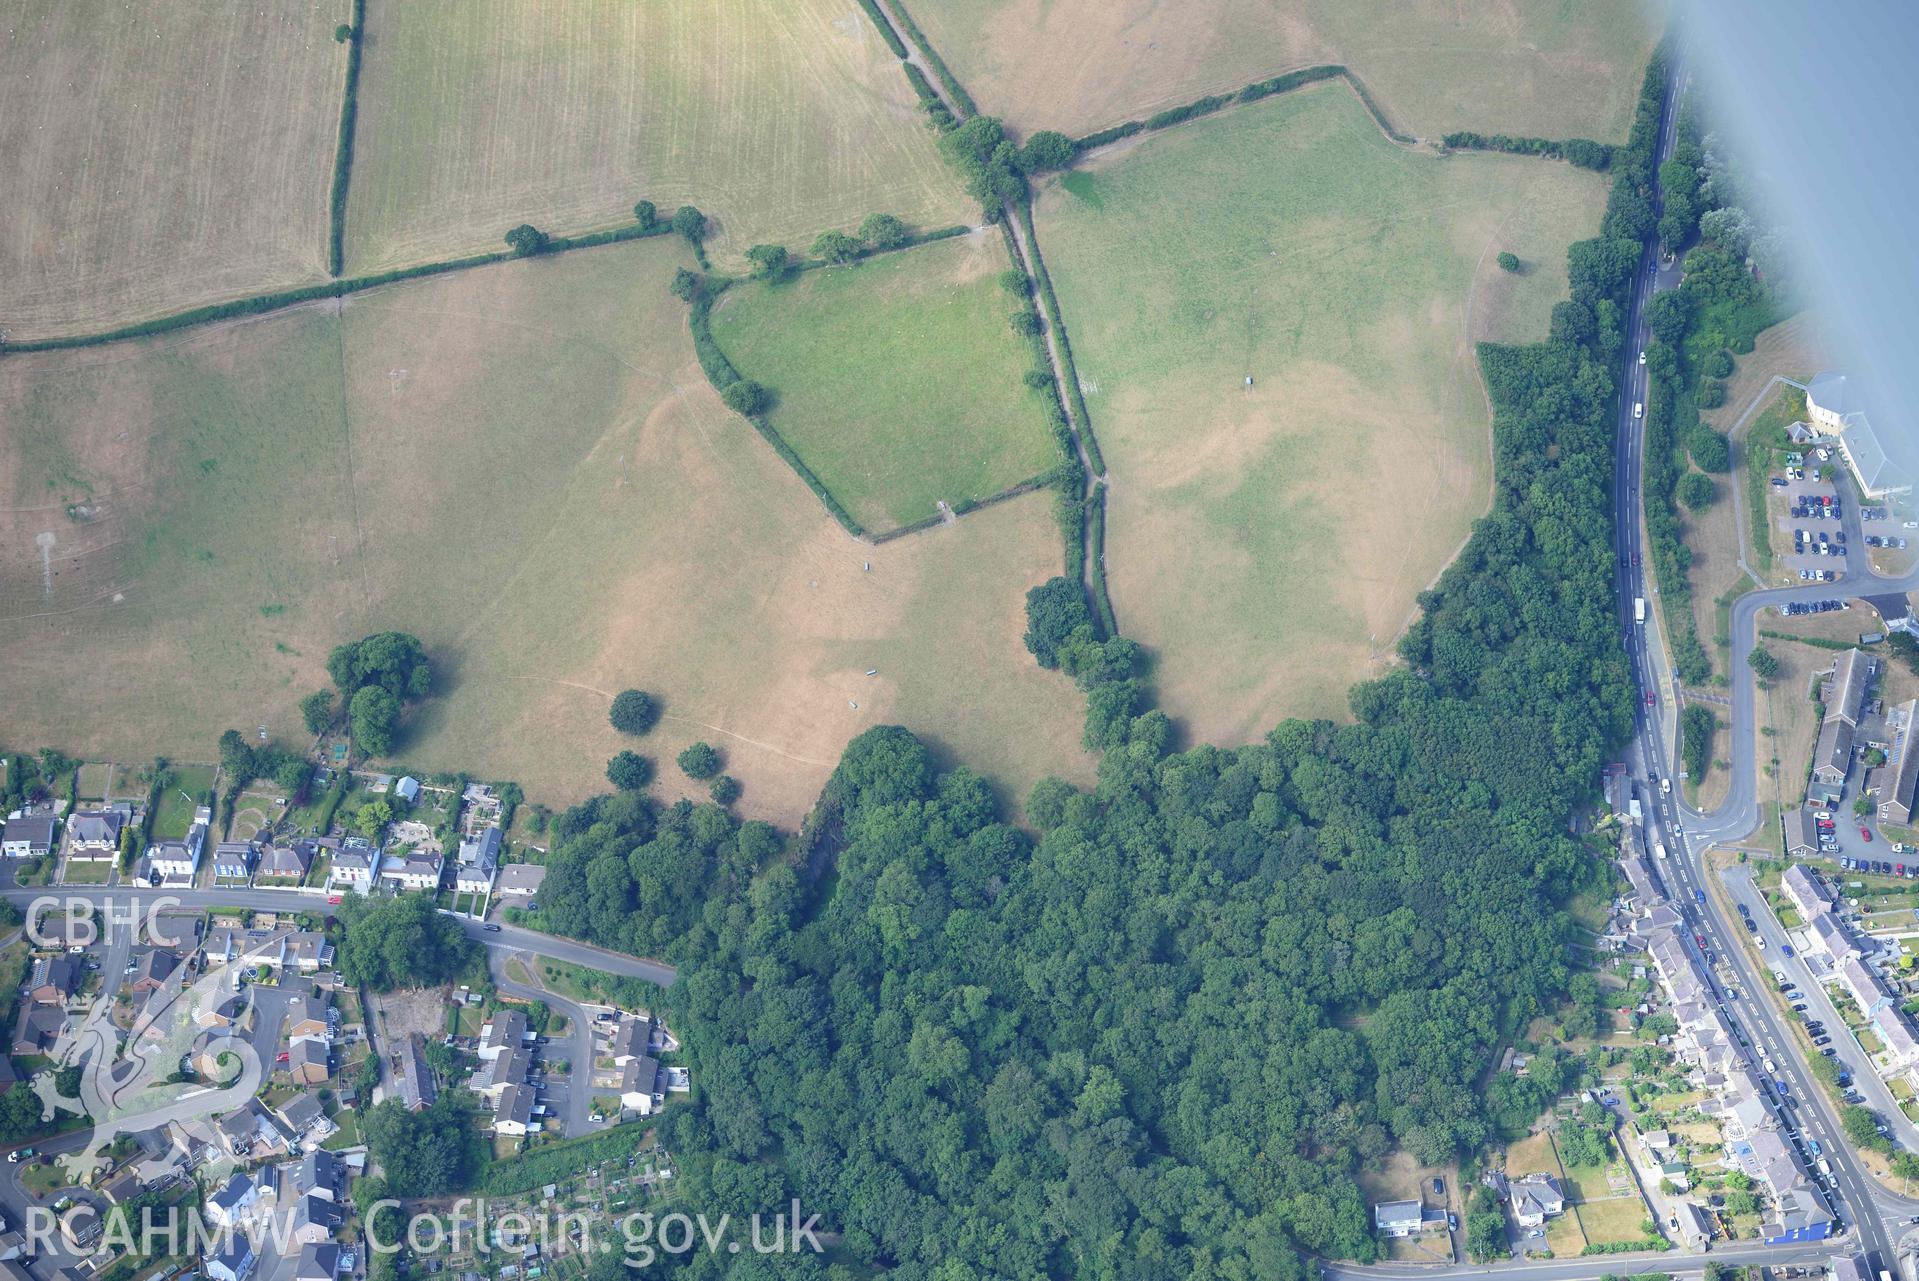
524, 466
779, 120
161, 156
898, 379
1268, 541
1546, 68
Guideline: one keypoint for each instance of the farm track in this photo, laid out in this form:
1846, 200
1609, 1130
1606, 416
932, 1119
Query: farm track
1027, 253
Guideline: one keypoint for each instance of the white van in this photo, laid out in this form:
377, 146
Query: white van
1638, 409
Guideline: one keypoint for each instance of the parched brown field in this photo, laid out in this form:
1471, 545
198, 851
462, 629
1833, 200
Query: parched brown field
523, 466
1544, 68
1267, 542
154, 157
779, 120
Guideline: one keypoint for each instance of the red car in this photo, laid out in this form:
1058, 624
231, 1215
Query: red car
283, 1057
1865, 834
1635, 558
335, 900
1650, 700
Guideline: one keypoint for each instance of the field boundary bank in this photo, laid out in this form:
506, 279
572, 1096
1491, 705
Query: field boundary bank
1074, 504
343, 147
1258, 91
280, 300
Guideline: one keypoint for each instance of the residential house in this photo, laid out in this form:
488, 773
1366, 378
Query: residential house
1849, 1267
1901, 781
288, 864
407, 789
180, 860
319, 1261
1809, 894
249, 1130
310, 1061
54, 980
514, 1114
1852, 673
1398, 1218
312, 1220
306, 951
521, 880
1535, 1198
479, 863
352, 868
95, 834
411, 871
639, 1085
37, 1027
1863, 984
151, 969
506, 1030
233, 860
417, 1089
1836, 406
318, 1173
1802, 832
233, 1202
234, 1261
1825, 933
302, 1115
509, 1067
27, 836
307, 1017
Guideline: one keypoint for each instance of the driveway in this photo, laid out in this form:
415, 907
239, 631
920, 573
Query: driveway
574, 1099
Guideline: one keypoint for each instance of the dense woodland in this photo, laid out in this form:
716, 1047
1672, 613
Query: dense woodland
1162, 1036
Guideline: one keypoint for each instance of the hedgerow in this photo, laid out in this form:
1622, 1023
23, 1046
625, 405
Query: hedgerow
1583, 153
343, 148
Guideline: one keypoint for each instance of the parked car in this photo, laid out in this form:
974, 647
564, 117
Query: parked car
1865, 833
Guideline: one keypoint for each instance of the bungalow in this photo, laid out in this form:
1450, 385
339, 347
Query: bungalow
352, 868
479, 863
1802, 834
95, 834
1535, 1199
514, 1114
288, 863
54, 980
27, 836
234, 1261
411, 871
1398, 1218
231, 1204
521, 880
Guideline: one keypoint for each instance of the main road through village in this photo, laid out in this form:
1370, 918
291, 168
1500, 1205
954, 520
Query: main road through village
1873, 1219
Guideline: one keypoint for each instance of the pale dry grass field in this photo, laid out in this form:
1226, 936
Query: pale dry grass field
156, 157
779, 120
1544, 68
1267, 541
523, 466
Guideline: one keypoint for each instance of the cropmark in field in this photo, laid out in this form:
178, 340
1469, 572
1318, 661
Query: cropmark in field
1542, 68
1267, 538
524, 466
160, 156
778, 120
